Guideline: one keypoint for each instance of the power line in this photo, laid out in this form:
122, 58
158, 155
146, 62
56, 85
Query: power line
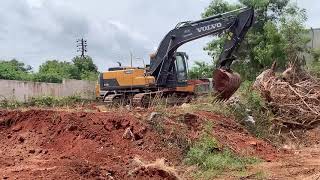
82, 46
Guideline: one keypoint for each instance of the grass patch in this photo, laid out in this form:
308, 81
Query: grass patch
251, 104
155, 120
10, 104
246, 104
260, 175
208, 103
44, 101
314, 68
179, 139
212, 161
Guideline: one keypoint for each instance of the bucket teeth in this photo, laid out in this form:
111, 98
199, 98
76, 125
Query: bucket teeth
226, 83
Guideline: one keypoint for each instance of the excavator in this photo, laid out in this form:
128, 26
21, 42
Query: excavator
167, 75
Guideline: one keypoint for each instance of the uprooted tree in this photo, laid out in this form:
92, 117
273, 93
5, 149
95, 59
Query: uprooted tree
293, 96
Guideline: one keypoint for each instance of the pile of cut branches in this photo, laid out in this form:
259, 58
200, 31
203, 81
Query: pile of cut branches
293, 96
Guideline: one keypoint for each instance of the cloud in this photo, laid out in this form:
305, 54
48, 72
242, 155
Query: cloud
49, 31
37, 30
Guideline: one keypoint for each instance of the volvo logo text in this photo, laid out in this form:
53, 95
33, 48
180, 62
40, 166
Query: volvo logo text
209, 27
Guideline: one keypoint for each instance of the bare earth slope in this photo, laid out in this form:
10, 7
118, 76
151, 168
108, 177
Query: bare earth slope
47, 144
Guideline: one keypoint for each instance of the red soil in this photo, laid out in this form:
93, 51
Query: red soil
78, 145
235, 137
48, 144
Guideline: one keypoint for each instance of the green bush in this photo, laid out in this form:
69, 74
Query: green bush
47, 77
50, 101
10, 104
315, 54
201, 70
314, 68
252, 104
208, 103
207, 155
249, 103
44, 101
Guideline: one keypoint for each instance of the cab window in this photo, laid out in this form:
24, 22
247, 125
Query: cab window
181, 68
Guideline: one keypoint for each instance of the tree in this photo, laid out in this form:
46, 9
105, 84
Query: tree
276, 35
201, 70
85, 64
47, 77
87, 69
55, 71
14, 70
52, 71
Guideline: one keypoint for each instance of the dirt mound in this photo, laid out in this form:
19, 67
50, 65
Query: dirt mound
156, 170
95, 145
50, 144
232, 135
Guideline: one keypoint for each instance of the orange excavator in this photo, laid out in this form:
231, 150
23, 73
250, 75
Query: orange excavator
167, 74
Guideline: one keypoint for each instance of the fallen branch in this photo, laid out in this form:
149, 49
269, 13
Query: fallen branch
294, 102
304, 102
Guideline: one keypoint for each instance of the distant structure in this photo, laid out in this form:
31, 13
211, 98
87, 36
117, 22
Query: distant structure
314, 43
82, 47
315, 38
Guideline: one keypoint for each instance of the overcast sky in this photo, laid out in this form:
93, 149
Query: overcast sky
34, 31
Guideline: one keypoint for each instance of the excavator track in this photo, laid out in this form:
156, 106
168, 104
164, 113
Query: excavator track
144, 99
114, 100
149, 99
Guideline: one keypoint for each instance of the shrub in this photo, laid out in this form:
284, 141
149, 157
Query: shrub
208, 103
207, 155
44, 101
315, 68
252, 104
50, 101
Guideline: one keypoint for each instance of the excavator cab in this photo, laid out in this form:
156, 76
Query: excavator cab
181, 67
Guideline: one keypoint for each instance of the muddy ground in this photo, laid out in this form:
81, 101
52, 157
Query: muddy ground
52, 144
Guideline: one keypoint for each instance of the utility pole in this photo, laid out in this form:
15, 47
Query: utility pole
131, 58
82, 46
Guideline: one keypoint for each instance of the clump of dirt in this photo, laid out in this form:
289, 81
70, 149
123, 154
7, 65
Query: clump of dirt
156, 170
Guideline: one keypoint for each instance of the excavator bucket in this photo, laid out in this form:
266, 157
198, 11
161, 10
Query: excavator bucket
225, 83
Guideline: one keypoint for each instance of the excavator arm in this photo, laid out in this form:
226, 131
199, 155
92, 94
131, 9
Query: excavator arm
235, 24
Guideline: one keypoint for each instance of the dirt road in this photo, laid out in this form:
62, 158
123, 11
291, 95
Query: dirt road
302, 164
